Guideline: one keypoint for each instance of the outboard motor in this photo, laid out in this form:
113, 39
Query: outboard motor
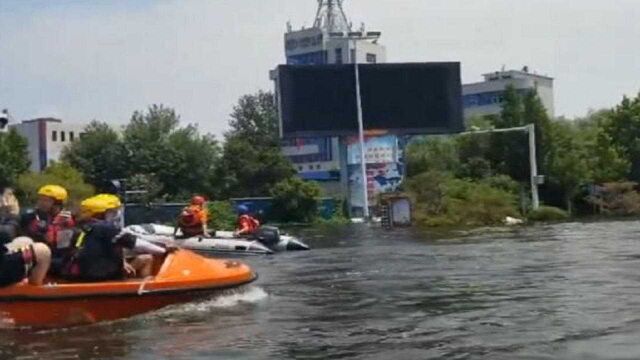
267, 235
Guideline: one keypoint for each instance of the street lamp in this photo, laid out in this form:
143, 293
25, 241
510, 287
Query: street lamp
355, 37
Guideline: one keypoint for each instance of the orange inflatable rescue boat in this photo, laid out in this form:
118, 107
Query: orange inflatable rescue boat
179, 277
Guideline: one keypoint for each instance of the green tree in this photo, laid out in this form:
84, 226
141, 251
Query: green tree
535, 113
255, 117
148, 184
568, 166
58, 173
198, 158
473, 152
252, 162
432, 154
14, 157
623, 130
249, 170
147, 140
605, 161
512, 114
508, 152
295, 200
153, 150
99, 155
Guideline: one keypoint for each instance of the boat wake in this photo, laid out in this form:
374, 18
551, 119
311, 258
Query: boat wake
226, 299
231, 298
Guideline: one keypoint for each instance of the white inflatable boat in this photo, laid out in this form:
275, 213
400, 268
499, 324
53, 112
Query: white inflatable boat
201, 244
267, 238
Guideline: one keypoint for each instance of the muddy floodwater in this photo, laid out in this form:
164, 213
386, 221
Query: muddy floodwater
566, 291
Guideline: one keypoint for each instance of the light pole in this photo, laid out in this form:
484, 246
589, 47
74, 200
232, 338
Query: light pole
363, 162
355, 37
533, 162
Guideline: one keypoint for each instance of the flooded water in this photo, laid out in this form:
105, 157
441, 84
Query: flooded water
569, 291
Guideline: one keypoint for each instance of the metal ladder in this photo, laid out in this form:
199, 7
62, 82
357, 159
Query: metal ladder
386, 217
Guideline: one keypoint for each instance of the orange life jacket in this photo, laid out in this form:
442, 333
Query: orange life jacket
48, 230
247, 225
192, 220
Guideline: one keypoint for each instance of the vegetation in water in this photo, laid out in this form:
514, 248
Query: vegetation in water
222, 215
295, 200
442, 200
547, 213
577, 157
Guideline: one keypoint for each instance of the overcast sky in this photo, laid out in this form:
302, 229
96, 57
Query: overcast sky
87, 59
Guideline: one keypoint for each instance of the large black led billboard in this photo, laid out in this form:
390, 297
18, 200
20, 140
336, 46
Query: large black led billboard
413, 98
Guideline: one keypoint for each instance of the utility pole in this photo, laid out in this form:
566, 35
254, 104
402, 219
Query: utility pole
355, 37
363, 162
535, 180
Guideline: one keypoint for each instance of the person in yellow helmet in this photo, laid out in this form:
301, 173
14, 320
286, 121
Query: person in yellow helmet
49, 224
101, 244
49, 218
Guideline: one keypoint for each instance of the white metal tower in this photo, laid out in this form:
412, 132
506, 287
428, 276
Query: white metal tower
331, 17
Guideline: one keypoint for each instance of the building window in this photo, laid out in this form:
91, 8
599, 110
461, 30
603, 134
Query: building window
62, 136
71, 137
353, 56
372, 58
54, 136
338, 55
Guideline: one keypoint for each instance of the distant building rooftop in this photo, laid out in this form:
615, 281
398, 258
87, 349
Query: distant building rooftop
46, 119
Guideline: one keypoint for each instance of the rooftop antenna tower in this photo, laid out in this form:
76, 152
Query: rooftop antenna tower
331, 17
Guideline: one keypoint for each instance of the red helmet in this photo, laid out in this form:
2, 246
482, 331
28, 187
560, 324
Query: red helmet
197, 200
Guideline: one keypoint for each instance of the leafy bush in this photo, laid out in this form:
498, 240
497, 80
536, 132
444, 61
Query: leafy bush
295, 200
144, 182
432, 154
441, 200
14, 157
548, 213
222, 215
503, 182
339, 217
59, 173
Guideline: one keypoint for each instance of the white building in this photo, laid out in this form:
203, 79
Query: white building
47, 138
485, 98
331, 40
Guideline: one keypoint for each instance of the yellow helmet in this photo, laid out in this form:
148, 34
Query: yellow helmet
56, 192
112, 200
99, 204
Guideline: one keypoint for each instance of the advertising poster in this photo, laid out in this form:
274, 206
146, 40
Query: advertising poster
384, 170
